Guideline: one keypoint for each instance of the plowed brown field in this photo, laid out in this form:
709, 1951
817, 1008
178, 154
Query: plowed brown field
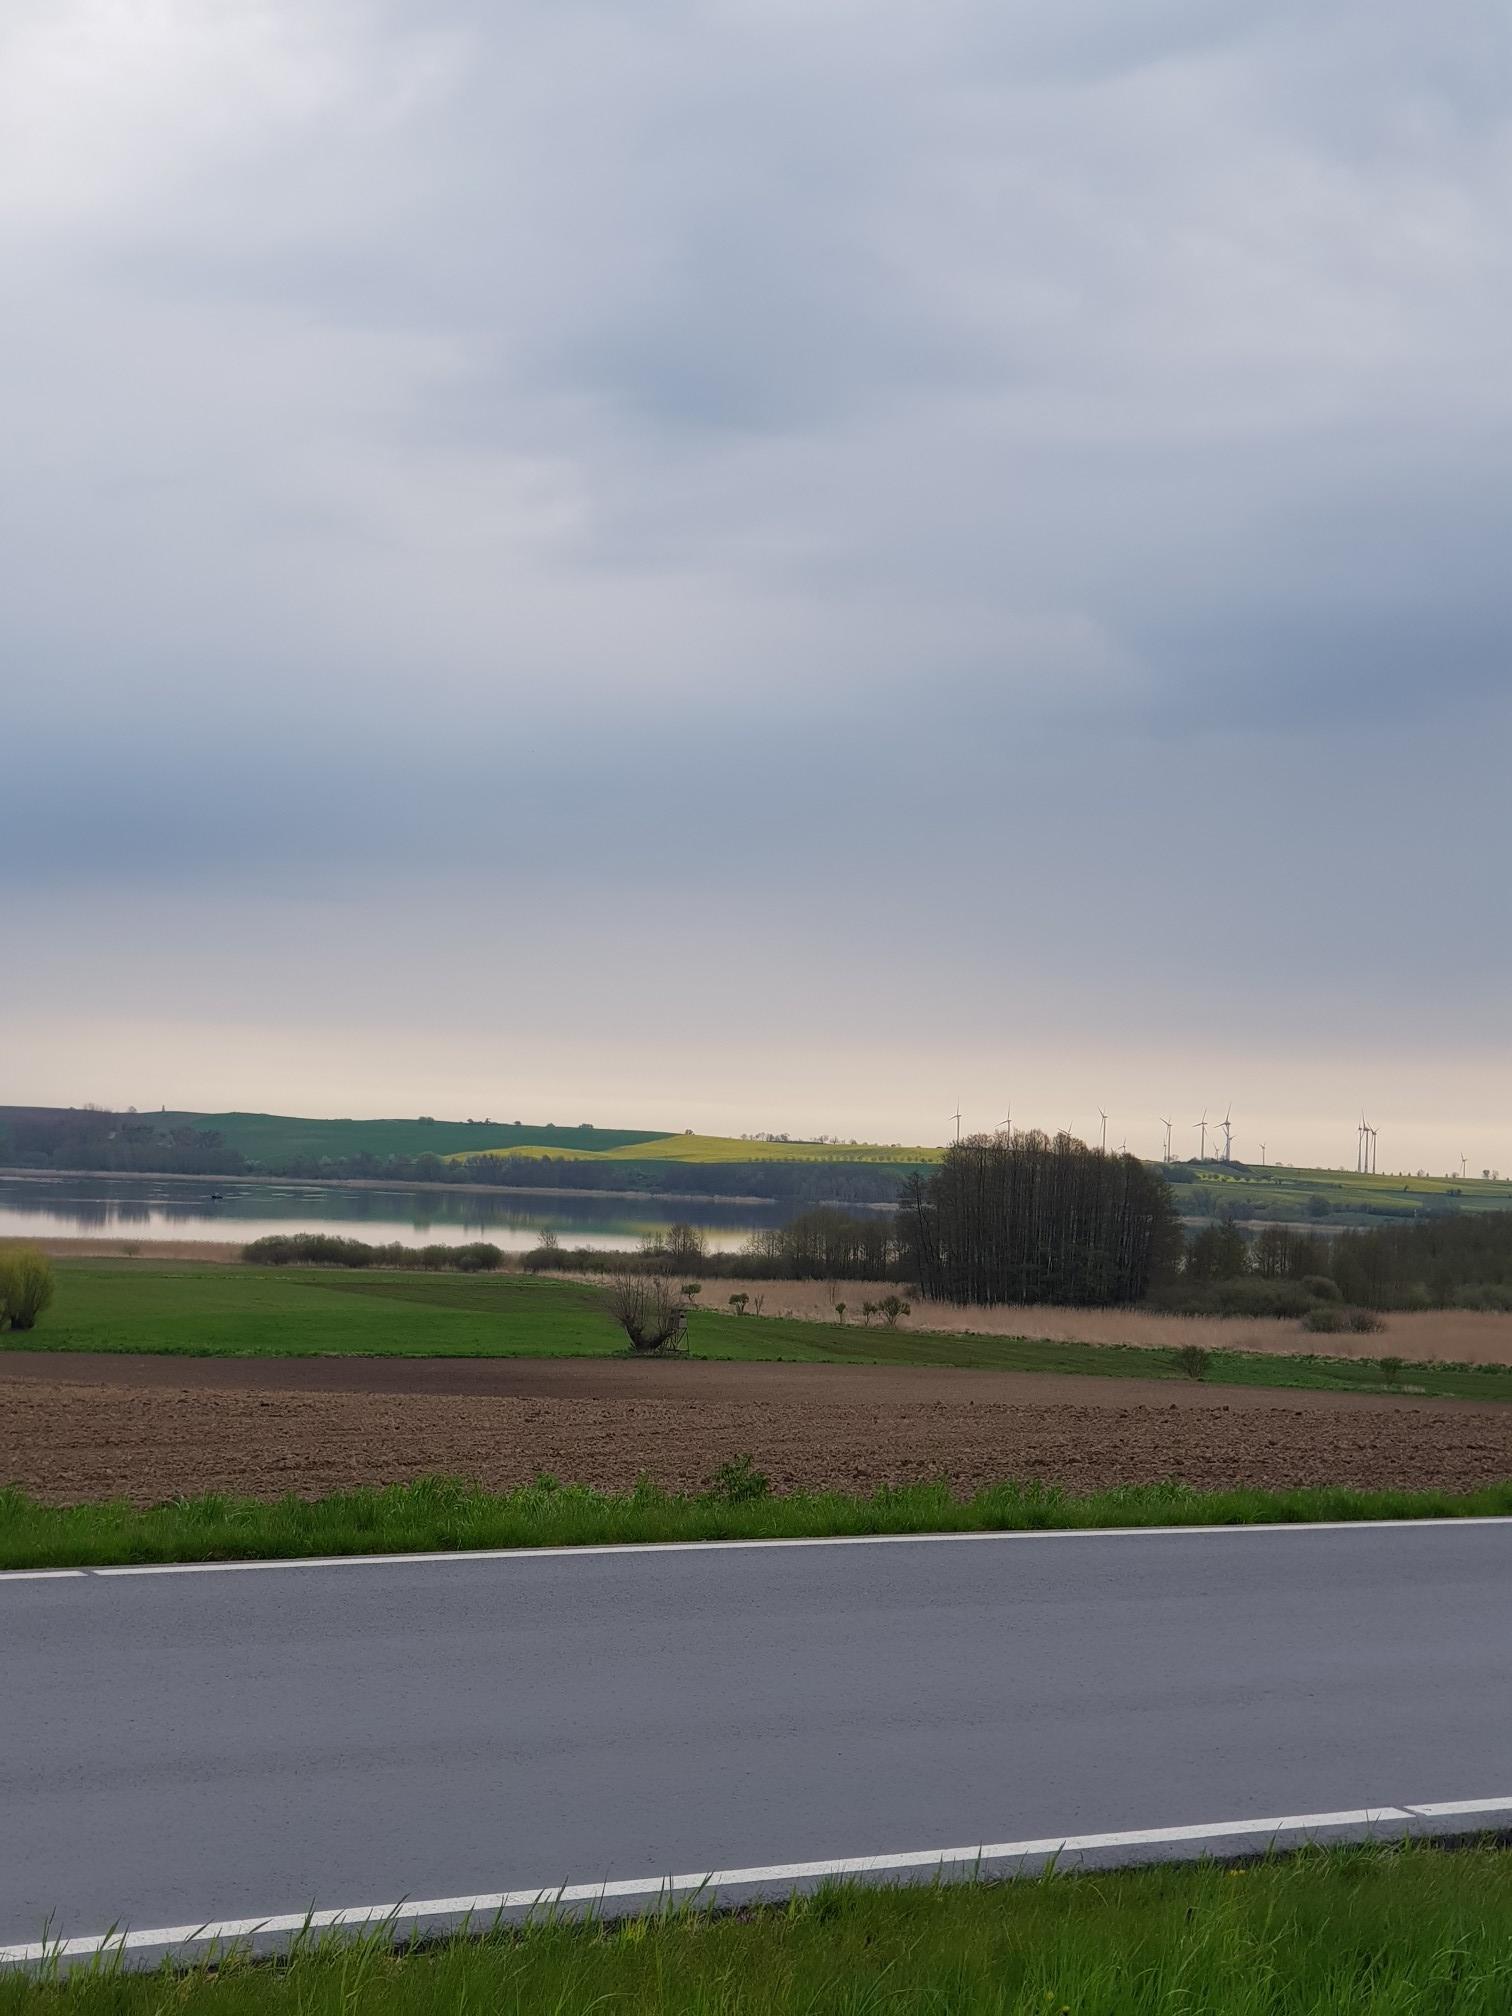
147, 1428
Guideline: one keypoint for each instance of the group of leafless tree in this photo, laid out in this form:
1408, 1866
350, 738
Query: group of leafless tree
827, 1245
1031, 1219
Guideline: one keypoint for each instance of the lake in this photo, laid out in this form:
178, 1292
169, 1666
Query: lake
146, 1208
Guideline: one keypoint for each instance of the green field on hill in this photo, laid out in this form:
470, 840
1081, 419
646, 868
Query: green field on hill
702, 1149
274, 1138
296, 1312
1302, 1196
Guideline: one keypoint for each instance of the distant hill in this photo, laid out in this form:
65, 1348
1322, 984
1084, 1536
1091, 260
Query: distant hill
281, 1137
514, 1153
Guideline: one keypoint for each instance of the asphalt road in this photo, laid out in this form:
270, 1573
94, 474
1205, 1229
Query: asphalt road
182, 1747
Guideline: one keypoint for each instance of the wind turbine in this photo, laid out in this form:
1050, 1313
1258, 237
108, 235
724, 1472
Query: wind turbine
1374, 1165
1360, 1133
1262, 1154
1005, 1125
1200, 1126
1104, 1118
956, 1116
1228, 1136
1463, 1160
1167, 1126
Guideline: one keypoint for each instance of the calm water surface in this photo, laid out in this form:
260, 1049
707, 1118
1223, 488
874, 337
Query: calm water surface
140, 1207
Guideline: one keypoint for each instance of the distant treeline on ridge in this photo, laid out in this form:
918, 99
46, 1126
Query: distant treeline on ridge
147, 1144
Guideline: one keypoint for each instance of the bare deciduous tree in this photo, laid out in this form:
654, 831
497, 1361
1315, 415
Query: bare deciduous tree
649, 1308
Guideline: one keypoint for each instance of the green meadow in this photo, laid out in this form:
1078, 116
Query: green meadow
703, 1149
1324, 1196
450, 1515
231, 1311
1411, 1930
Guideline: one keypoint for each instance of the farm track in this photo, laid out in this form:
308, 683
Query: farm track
146, 1428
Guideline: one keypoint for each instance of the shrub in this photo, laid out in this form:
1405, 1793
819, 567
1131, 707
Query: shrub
1365, 1321
1325, 1320
1322, 1287
26, 1286
477, 1258
1194, 1361
649, 1309
546, 1252
1391, 1370
891, 1307
1485, 1295
738, 1482
1249, 1295
738, 1302
325, 1249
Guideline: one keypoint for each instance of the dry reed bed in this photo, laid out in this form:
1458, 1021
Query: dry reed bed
1443, 1336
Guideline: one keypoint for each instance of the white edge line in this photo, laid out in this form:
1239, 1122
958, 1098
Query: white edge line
647, 1549
650, 1889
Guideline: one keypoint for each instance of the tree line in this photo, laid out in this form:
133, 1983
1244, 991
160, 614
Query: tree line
1450, 1260
1036, 1219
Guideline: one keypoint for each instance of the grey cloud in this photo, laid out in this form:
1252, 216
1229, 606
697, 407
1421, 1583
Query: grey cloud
896, 441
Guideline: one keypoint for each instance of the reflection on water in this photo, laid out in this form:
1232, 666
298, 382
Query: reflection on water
141, 1207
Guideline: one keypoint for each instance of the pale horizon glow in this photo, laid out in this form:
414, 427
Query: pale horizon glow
760, 568
1294, 1115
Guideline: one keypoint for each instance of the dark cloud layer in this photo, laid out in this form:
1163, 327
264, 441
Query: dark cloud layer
1042, 470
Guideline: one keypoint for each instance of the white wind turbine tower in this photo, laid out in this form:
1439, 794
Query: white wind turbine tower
1367, 1147
1228, 1136
1104, 1119
1200, 1126
1167, 1126
1374, 1165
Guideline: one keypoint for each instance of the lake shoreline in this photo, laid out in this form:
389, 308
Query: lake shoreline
499, 1190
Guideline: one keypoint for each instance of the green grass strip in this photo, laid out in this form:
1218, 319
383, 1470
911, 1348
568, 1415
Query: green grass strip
438, 1514
1335, 1932
187, 1310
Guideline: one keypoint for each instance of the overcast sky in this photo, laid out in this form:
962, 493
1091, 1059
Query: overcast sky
762, 566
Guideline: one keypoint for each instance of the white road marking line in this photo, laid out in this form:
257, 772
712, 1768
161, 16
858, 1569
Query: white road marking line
648, 1549
653, 1889
1446, 1809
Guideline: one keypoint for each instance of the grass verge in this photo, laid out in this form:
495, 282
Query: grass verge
444, 1514
182, 1309
1342, 1931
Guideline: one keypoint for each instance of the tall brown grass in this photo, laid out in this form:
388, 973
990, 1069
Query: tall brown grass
1445, 1336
